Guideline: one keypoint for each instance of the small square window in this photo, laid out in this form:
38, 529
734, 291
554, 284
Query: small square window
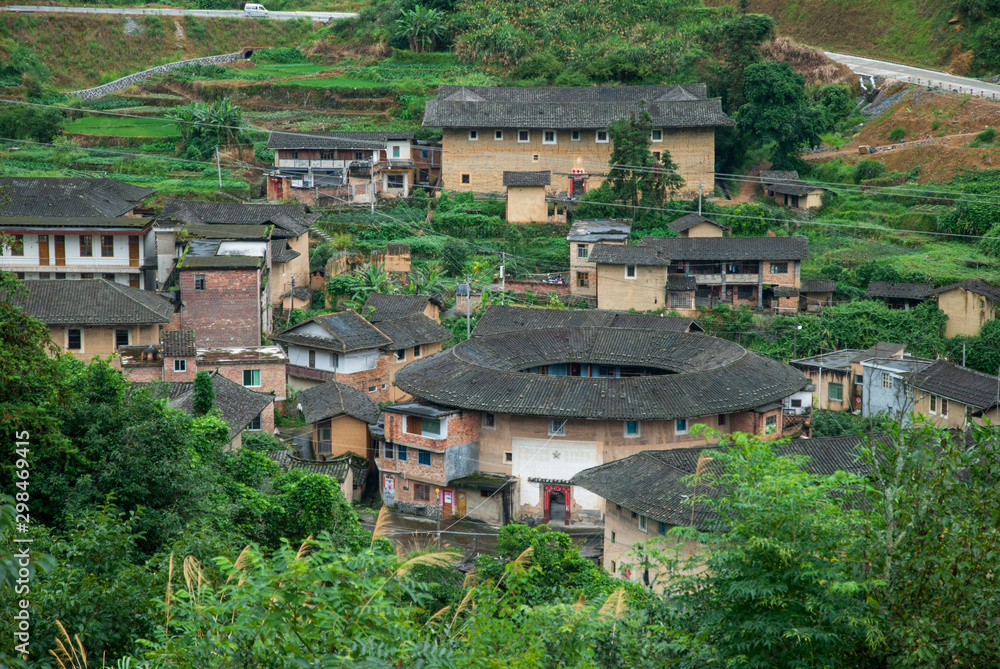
534, 158
629, 271
634, 515
643, 524
722, 420
359, 155
395, 152
681, 426
421, 492
548, 137
886, 381
508, 457
557, 427
473, 135
387, 451
180, 365
86, 246
312, 359
835, 392
575, 135
779, 268
401, 354
60, 275
416, 351
401, 452
489, 420
295, 155
483, 492
796, 404
424, 153
74, 340
251, 378
424, 458
582, 251
498, 135
254, 425
523, 136
465, 178
602, 137
657, 135
583, 279
199, 282
656, 156
121, 338
631, 428
384, 386
372, 389
109, 276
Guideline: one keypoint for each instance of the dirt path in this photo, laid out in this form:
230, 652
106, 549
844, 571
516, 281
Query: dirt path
748, 189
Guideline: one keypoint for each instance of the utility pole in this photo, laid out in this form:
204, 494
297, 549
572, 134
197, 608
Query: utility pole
699, 198
503, 275
468, 299
374, 156
218, 165
963, 354
291, 307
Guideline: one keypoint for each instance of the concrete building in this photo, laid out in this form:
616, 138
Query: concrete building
95, 317
526, 196
686, 273
969, 305
899, 295
583, 234
565, 131
789, 191
838, 376
886, 386
814, 294
543, 403
338, 417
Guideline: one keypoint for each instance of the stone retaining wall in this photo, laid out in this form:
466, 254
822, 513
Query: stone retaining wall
125, 82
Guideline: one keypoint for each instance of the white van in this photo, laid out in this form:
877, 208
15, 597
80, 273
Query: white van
255, 10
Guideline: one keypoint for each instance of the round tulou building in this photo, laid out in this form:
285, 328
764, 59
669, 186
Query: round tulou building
500, 423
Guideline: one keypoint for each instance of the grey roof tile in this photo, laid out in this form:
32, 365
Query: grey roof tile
290, 220
888, 290
627, 254
973, 286
281, 252
299, 292
818, 285
92, 302
345, 331
681, 282
334, 399
599, 230
511, 178
882, 349
413, 330
190, 262
335, 467
178, 344
334, 140
503, 319
384, 306
730, 248
8, 222
239, 405
960, 384
688, 221
68, 197
206, 231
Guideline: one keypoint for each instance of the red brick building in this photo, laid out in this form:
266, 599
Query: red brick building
223, 299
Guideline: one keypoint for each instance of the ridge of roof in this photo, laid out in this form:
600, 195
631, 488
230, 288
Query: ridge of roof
91, 302
958, 383
975, 286
333, 399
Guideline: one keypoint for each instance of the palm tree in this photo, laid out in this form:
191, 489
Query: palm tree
421, 26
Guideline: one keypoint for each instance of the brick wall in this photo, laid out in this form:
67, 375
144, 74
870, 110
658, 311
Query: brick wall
272, 375
190, 369
227, 312
297, 268
412, 469
790, 278
463, 428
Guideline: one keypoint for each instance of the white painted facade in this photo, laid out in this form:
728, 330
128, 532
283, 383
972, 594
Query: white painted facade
242, 248
327, 361
554, 459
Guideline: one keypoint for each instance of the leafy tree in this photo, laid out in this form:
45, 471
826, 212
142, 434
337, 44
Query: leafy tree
34, 123
637, 178
422, 27
599, 203
204, 126
778, 111
203, 399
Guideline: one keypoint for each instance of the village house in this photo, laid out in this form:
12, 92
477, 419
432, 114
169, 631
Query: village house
300, 297
287, 254
347, 348
565, 131
583, 234
969, 305
324, 167
686, 273
542, 403
95, 317
390, 306
814, 294
886, 388
526, 196
789, 191
242, 409
337, 417
223, 297
899, 295
696, 225
838, 376
648, 494
348, 470
177, 358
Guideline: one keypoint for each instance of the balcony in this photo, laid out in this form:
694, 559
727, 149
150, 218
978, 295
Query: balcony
309, 373
317, 164
34, 264
399, 164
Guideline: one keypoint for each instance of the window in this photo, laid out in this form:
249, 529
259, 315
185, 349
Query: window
523, 136
395, 181
324, 440
629, 271
557, 427
779, 268
679, 300
295, 155
643, 525
199, 282
372, 389
498, 135
424, 153
106, 276
180, 365
656, 135
602, 136
395, 152
489, 420
334, 359
401, 354
534, 158
86, 246
473, 135
722, 420
859, 379
465, 178
254, 425
384, 386
933, 404
583, 279
796, 404
944, 408
312, 359
107, 246
548, 137
45, 275
121, 338
770, 424
631, 428
886, 381
425, 427
416, 351
582, 251
60, 275
656, 156
251, 378
424, 458
326, 155
508, 457
634, 515
663, 528
835, 392
614, 538
483, 492
17, 246
74, 339
421, 492
359, 155
401, 452
85, 275
614, 565
681, 426
387, 451
744, 292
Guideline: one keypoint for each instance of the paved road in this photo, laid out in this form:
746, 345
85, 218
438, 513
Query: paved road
916, 75
214, 13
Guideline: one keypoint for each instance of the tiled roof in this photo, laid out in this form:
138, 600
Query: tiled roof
786, 291
681, 282
178, 344
627, 254
818, 285
413, 330
729, 248
205, 231
334, 399
333, 140
836, 360
911, 291
220, 262
599, 230
335, 467
92, 302
704, 375
773, 176
502, 319
973, 286
238, 405
958, 383
591, 107
15, 222
882, 349
241, 354
383, 306
345, 331
281, 252
527, 178
291, 220
800, 188
688, 221
299, 292
62, 197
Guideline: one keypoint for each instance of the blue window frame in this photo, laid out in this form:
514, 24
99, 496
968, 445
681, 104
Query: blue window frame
400, 452
424, 458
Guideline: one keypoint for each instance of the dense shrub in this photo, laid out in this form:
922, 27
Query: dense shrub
868, 169
897, 133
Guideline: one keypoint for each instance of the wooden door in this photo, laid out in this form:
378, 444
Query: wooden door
133, 281
460, 507
60, 249
447, 497
43, 249
133, 251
